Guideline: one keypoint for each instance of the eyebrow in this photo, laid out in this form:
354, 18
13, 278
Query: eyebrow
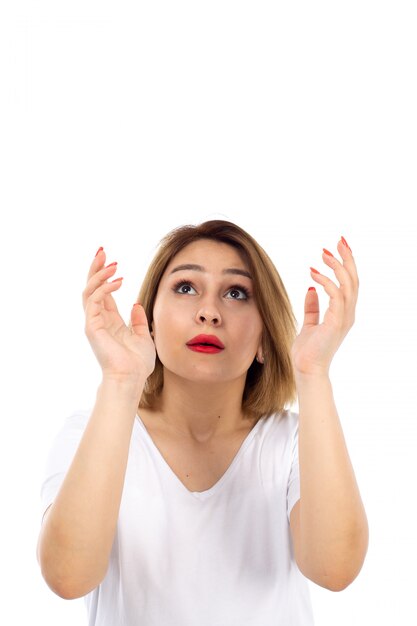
199, 268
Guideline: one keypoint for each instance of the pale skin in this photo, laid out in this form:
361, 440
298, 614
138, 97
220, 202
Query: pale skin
201, 408
198, 388
328, 524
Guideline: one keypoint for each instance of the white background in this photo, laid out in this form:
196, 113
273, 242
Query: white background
296, 120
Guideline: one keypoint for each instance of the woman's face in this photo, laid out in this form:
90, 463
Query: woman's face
207, 290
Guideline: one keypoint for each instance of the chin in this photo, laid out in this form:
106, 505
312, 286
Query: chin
211, 375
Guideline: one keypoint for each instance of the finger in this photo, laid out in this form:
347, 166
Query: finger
336, 303
311, 308
341, 273
95, 301
98, 263
139, 321
97, 279
348, 261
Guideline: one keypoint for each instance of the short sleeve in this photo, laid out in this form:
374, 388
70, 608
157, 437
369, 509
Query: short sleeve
60, 456
293, 488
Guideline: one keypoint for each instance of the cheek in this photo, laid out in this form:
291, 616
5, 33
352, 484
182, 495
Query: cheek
169, 326
250, 329
254, 326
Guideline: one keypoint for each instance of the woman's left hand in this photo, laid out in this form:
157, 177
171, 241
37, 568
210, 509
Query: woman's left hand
316, 344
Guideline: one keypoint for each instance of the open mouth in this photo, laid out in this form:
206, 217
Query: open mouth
204, 347
206, 342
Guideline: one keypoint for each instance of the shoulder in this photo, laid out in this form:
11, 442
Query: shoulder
70, 429
66, 438
77, 419
283, 423
277, 440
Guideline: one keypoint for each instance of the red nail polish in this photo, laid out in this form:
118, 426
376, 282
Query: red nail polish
98, 251
327, 252
315, 271
346, 244
312, 289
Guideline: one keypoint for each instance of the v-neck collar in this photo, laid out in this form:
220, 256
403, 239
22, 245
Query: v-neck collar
200, 495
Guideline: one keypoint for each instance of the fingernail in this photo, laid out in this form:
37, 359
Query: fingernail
315, 271
136, 304
98, 250
312, 289
346, 244
114, 281
110, 265
327, 252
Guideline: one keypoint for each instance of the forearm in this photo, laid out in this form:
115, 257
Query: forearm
333, 523
78, 532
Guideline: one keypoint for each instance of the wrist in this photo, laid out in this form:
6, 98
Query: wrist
123, 385
313, 390
315, 377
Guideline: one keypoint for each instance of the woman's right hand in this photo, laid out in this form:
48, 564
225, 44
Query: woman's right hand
123, 354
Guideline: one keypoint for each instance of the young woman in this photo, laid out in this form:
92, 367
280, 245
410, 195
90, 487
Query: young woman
190, 493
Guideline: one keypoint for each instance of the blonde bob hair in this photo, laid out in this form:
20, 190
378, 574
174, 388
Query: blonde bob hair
271, 385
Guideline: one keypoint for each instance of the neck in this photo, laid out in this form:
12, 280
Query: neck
202, 411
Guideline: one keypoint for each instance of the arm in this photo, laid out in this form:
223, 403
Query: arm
78, 531
328, 524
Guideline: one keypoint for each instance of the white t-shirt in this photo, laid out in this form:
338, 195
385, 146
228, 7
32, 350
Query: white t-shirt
221, 557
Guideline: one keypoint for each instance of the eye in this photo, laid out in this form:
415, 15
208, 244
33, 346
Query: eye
183, 286
234, 293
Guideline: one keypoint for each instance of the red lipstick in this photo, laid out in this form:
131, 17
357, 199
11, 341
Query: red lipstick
210, 344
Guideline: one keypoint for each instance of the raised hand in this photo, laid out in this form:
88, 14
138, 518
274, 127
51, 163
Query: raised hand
123, 354
316, 344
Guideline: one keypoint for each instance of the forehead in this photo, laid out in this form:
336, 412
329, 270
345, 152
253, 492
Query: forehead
212, 255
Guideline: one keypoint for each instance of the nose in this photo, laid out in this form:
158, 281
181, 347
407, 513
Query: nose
208, 314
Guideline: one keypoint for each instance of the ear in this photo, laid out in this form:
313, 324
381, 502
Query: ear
259, 355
